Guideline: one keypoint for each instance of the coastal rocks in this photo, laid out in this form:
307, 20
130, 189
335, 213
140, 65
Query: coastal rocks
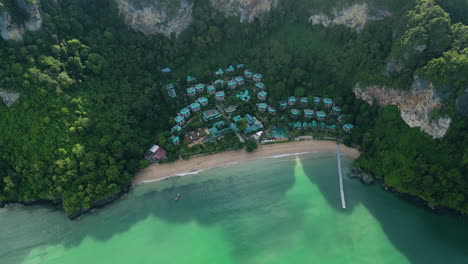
355, 16
247, 10
9, 97
416, 105
157, 16
10, 30
361, 175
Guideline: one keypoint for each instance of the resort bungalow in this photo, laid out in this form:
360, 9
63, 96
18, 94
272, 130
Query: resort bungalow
262, 95
297, 125
240, 80
248, 74
331, 128
244, 96
347, 127
176, 129
328, 102
219, 95
195, 107
314, 124
321, 115
294, 113
200, 88
230, 69
191, 79
191, 91
322, 125
211, 114
211, 89
166, 70
283, 104
252, 124
232, 84
219, 72
185, 112
219, 83
336, 109
237, 118
171, 90
260, 86
257, 77
175, 140
291, 100
180, 120
203, 101
271, 110
304, 101
155, 153
240, 66
316, 100
230, 109
305, 125
308, 113
262, 107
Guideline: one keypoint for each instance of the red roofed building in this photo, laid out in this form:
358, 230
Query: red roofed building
155, 153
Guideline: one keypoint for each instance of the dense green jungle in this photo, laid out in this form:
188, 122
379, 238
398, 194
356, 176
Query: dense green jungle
93, 97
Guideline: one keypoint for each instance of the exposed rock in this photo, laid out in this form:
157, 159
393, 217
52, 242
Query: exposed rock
247, 10
34, 21
354, 16
367, 179
416, 105
157, 16
8, 97
361, 175
10, 30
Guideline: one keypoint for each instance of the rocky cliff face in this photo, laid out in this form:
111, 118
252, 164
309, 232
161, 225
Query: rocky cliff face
10, 30
416, 106
353, 16
247, 10
9, 97
157, 16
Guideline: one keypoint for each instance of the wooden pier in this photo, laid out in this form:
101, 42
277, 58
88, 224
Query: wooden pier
338, 155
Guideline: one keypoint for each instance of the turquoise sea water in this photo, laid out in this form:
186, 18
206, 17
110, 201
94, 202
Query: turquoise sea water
277, 210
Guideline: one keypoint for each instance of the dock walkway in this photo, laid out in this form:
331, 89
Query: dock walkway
338, 155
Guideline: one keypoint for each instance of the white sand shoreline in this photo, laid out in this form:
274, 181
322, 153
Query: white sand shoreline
158, 172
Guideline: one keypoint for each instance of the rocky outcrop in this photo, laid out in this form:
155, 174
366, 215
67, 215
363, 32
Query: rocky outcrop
10, 30
8, 97
157, 16
247, 10
354, 16
416, 105
363, 176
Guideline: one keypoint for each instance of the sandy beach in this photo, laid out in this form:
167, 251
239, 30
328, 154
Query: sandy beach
158, 172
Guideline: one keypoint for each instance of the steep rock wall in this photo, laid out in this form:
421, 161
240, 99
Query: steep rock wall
416, 106
157, 16
9, 97
247, 10
10, 30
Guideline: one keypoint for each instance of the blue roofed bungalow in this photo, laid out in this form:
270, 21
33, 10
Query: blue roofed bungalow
323, 125
219, 72
257, 77
240, 66
219, 83
304, 100
328, 102
195, 107
262, 107
336, 109
230, 69
211, 89
191, 79
176, 129
347, 127
239, 80
171, 90
331, 128
211, 114
203, 101
191, 91
321, 115
271, 110
200, 87
244, 96
294, 113
230, 109
291, 100
260, 85
297, 125
232, 84
305, 125
166, 70
283, 104
185, 112
180, 120
219, 95
316, 100
262, 95
314, 124
308, 113
175, 140
237, 118
248, 74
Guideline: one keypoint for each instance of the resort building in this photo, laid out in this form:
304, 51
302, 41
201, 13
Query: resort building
283, 104
203, 101
171, 90
185, 112
195, 107
180, 120
176, 129
240, 66
232, 84
340, 117
297, 125
211, 114
257, 77
305, 125
252, 124
230, 69
336, 109
219, 95
271, 110
244, 96
237, 118
294, 113
262, 107
240, 80
200, 88
322, 125
328, 102
308, 113
260, 86
166, 70
291, 100
304, 101
219, 83
316, 100
211, 89
248, 74
219, 72
191, 79
331, 128
191, 91
230, 109
155, 153
347, 127
321, 115
175, 140
262, 95
314, 124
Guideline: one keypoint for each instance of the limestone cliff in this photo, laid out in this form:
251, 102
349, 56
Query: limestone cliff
157, 16
247, 10
416, 106
9, 97
352, 16
10, 30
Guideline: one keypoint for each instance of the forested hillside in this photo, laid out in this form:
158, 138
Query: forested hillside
93, 97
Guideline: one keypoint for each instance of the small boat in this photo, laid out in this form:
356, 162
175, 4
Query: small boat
177, 198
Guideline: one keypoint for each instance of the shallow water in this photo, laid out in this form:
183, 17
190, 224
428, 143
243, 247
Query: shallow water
277, 210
